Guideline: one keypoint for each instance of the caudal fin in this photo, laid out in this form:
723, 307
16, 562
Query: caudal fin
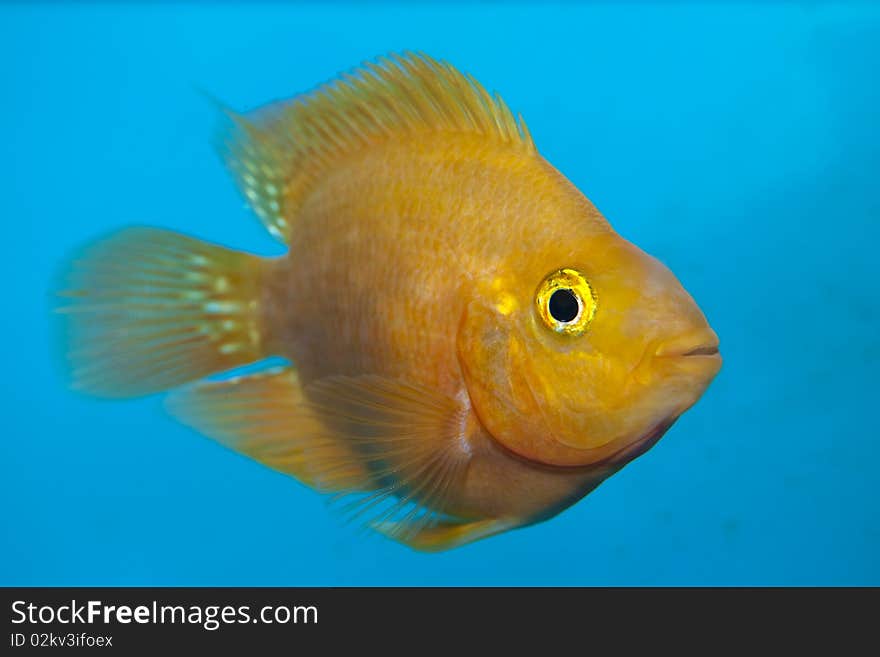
145, 310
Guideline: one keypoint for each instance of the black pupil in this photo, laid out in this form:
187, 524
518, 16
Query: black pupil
563, 306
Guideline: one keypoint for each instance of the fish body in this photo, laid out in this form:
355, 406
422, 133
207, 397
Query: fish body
431, 254
472, 348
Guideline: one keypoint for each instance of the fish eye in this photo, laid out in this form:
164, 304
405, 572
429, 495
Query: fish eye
564, 306
566, 302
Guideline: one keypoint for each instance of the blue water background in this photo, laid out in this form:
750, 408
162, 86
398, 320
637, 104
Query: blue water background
738, 143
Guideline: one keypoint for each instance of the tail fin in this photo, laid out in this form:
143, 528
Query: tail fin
146, 310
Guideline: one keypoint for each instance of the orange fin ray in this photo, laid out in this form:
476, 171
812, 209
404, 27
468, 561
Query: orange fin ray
264, 417
277, 152
446, 535
410, 439
145, 310
392, 451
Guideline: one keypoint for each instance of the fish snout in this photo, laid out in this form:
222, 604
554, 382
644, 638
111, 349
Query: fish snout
694, 351
697, 343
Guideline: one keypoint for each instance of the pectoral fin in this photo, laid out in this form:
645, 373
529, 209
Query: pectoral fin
396, 450
410, 438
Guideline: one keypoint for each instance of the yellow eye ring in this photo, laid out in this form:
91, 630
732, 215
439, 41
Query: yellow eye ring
566, 302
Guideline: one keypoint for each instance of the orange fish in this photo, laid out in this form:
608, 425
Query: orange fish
471, 347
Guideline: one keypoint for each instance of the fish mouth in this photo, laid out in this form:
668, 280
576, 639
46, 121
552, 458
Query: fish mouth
700, 343
703, 350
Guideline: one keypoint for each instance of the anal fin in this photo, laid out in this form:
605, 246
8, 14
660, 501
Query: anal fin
394, 450
264, 416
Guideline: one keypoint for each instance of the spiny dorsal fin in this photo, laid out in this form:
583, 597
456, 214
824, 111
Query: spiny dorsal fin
277, 152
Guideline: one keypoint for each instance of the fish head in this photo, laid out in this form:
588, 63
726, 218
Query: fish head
584, 354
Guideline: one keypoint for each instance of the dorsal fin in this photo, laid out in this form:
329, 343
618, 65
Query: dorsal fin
278, 151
